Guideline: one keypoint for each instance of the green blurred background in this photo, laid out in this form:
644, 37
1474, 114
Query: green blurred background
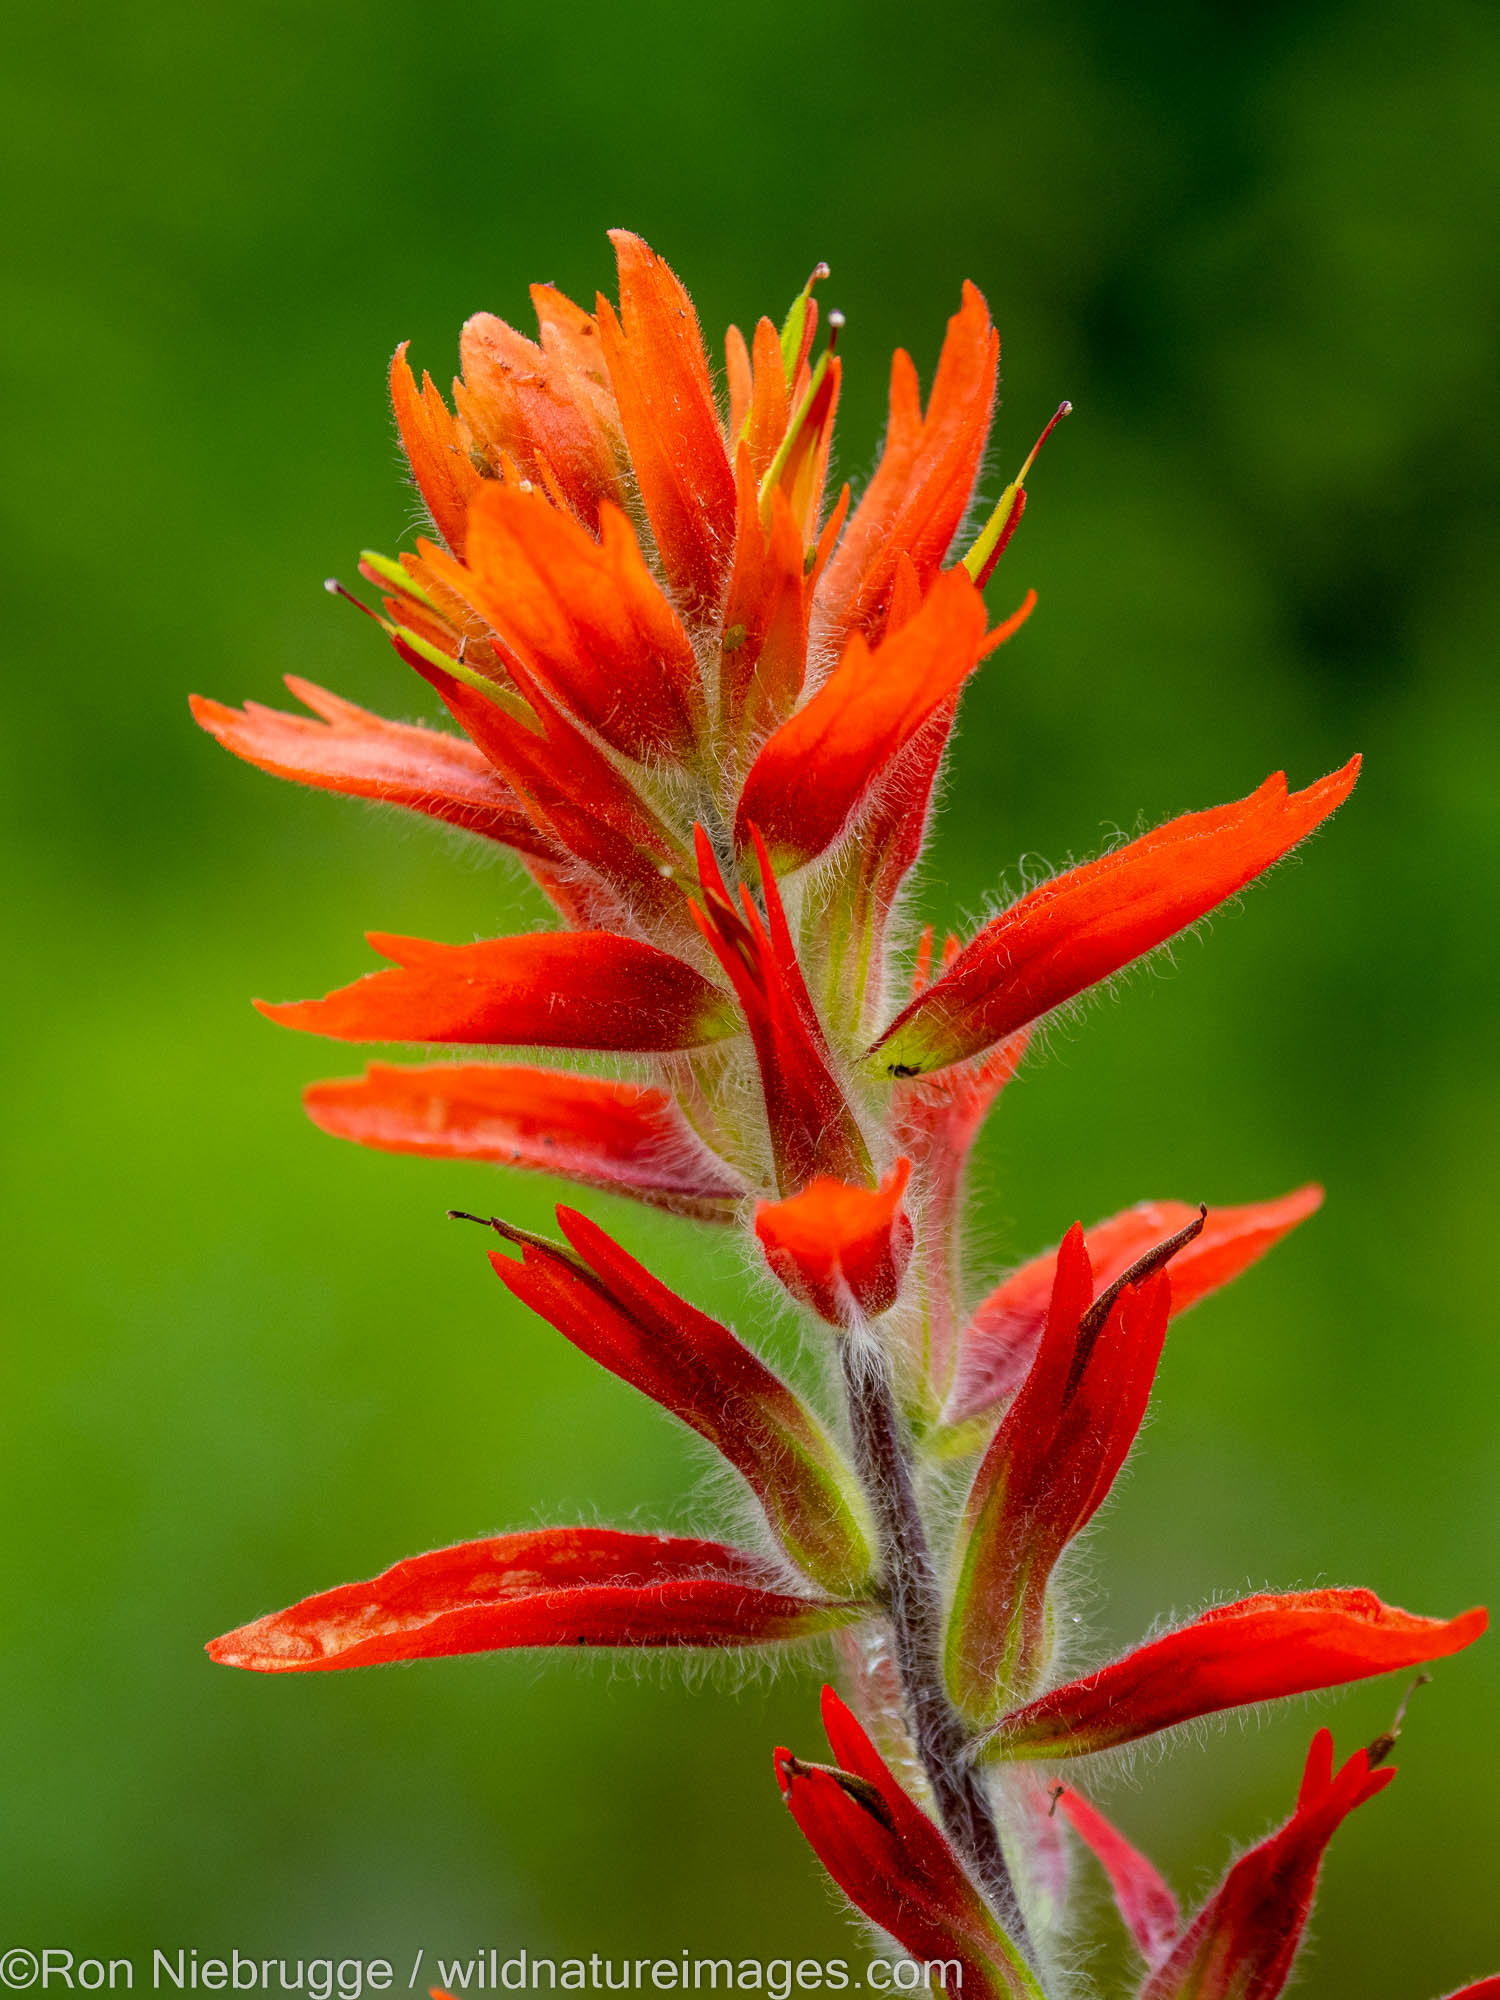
1258, 248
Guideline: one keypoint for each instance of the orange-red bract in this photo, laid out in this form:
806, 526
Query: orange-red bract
998, 1343
543, 1587
346, 749
920, 490
809, 779
1258, 1649
609, 847
550, 989
1241, 1944
546, 405
813, 1130
586, 618
612, 1309
1046, 1473
893, 1863
1080, 927
626, 1137
841, 1250
436, 447
1144, 1901
654, 352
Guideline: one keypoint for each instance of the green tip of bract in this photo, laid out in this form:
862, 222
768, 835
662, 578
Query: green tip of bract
795, 323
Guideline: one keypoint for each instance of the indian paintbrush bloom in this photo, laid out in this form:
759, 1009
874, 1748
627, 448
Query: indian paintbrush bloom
704, 703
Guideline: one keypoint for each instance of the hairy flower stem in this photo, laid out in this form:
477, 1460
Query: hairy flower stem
884, 1461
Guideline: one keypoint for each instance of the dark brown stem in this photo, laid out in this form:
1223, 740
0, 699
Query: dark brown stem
883, 1456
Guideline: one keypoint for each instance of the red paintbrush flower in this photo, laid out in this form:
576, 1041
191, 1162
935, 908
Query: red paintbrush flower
894, 1864
1084, 925
612, 1308
544, 1587
1000, 1340
1049, 1467
1259, 1649
1241, 1944
840, 1250
621, 1136
677, 670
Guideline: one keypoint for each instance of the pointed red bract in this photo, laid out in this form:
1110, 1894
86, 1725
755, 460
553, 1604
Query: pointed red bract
814, 1133
437, 448
1001, 1339
840, 1250
619, 1136
1046, 1473
550, 989
921, 488
1080, 927
612, 1309
346, 749
654, 353
763, 651
893, 1863
810, 778
1241, 1944
1259, 1649
544, 1587
1144, 1901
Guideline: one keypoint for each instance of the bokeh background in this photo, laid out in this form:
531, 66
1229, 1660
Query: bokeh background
1258, 248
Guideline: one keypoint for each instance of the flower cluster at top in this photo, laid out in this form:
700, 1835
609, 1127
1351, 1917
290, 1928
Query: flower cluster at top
705, 706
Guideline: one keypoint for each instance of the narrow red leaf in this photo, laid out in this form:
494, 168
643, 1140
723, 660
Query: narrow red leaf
544, 1587
549, 989
1259, 1649
620, 1136
1080, 927
1144, 1901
